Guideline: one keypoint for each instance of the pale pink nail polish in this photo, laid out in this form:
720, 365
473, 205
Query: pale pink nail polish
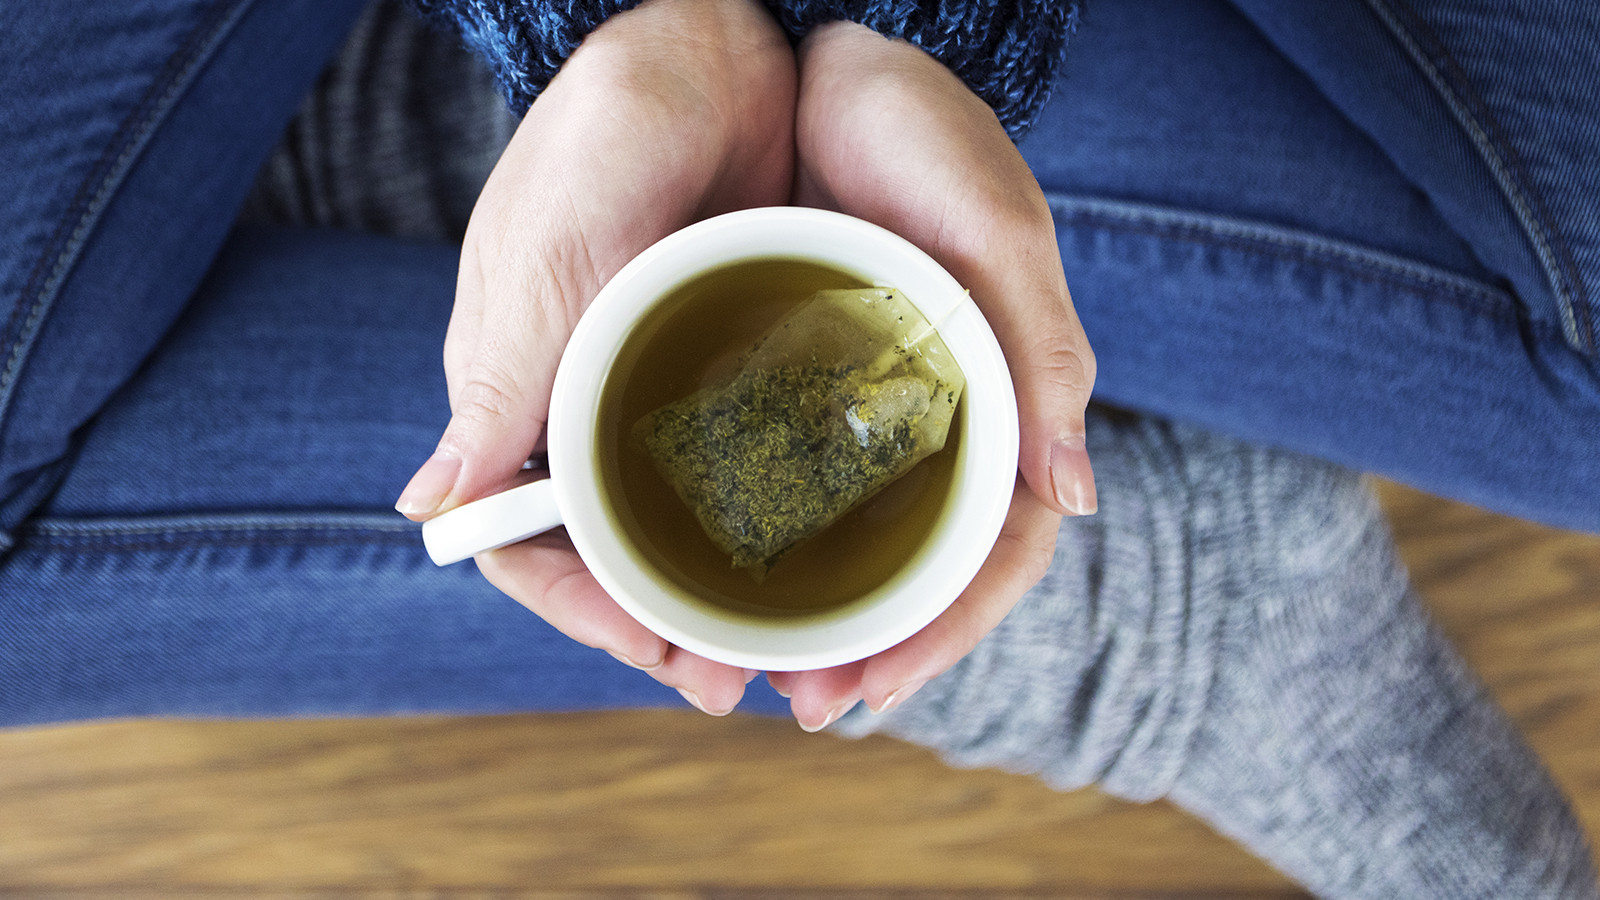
697, 703
1072, 478
783, 692
900, 696
429, 486
633, 663
833, 715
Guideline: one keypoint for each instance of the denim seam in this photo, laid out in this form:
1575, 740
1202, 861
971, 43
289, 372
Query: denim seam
306, 539
1291, 245
1510, 174
244, 529
94, 195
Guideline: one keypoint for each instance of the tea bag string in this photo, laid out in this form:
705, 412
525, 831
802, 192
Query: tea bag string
891, 356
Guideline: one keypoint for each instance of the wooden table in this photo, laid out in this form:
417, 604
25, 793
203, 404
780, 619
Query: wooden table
677, 806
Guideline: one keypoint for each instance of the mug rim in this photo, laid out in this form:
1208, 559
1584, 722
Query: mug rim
909, 600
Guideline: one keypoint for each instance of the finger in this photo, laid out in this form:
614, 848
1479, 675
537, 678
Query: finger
546, 576
501, 405
466, 323
1052, 367
956, 186
1020, 557
819, 697
999, 242
712, 688
783, 683
521, 285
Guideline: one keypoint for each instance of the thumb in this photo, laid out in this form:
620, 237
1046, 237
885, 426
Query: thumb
1030, 309
955, 186
500, 364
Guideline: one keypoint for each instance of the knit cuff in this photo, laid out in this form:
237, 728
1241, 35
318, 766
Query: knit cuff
525, 42
1006, 51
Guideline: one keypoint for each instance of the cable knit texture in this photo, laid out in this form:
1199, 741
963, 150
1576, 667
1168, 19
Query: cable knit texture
1006, 51
1234, 631
524, 42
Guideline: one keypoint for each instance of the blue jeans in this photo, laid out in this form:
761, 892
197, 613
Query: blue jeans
1337, 235
1370, 233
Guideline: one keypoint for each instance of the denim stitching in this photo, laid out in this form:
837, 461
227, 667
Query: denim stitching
303, 539
293, 521
225, 530
1290, 245
104, 180
306, 540
1474, 115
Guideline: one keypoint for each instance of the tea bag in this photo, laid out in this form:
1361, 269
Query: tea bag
836, 401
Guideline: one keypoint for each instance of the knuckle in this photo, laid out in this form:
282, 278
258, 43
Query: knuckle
1038, 554
487, 398
1033, 552
1058, 360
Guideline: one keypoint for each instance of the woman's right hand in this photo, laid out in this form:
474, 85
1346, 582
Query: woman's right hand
666, 114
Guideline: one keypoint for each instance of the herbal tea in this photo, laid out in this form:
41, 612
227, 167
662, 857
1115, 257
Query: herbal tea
837, 400
687, 355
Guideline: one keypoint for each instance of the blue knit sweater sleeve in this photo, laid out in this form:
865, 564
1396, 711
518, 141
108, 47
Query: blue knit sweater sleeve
1006, 51
523, 41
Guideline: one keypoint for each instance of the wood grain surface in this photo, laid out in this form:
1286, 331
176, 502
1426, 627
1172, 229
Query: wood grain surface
669, 805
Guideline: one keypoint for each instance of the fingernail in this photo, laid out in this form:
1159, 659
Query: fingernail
429, 486
833, 714
899, 696
694, 700
1072, 478
780, 684
633, 663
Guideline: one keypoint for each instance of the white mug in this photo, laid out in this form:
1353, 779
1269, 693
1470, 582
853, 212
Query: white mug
573, 495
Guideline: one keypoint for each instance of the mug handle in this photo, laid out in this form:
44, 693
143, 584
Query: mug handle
491, 523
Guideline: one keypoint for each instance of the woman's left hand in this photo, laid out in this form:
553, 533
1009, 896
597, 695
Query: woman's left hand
886, 133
